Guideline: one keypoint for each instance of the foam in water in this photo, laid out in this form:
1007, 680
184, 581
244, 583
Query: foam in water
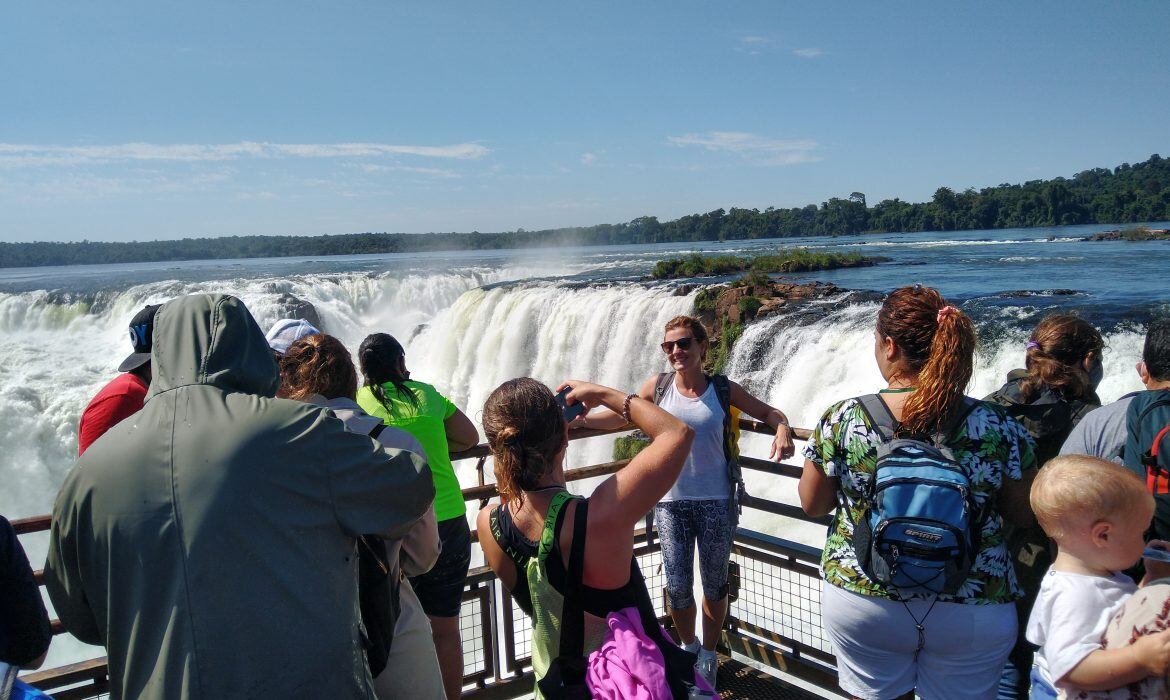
606, 334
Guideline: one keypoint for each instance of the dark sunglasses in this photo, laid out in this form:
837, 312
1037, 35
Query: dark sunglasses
682, 343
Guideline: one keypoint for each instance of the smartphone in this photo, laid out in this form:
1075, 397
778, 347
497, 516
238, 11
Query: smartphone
1156, 554
570, 412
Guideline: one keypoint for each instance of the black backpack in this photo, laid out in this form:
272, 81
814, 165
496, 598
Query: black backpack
1048, 418
378, 595
1147, 450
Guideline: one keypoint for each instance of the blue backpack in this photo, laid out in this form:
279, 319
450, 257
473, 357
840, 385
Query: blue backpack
919, 529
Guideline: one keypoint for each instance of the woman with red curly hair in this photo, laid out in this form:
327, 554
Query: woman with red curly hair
945, 646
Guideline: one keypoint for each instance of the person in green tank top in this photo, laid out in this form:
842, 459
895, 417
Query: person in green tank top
388, 393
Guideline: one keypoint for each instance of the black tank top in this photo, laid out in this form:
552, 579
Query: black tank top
596, 601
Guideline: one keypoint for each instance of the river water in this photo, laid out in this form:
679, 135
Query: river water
471, 319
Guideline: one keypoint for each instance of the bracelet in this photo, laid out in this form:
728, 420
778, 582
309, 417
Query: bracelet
626, 407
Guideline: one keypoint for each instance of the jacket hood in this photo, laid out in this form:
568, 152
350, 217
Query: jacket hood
211, 339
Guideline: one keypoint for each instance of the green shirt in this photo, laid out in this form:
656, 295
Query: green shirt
991, 448
426, 423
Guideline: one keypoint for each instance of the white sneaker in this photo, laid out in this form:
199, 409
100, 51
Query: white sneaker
708, 666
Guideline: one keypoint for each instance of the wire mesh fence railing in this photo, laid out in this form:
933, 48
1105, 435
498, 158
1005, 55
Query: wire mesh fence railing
774, 615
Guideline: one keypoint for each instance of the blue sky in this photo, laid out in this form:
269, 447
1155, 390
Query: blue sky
136, 120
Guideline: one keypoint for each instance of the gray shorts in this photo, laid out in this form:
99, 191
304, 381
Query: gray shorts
965, 646
683, 524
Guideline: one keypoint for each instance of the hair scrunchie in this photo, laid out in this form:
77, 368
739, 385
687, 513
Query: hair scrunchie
944, 312
1032, 345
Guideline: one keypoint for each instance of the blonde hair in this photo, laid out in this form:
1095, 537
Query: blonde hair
1077, 488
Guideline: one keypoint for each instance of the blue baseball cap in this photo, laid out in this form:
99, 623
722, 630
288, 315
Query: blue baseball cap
141, 337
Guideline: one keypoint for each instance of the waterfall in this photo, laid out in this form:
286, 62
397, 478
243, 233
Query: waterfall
607, 334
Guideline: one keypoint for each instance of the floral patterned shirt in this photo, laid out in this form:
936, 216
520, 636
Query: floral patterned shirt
990, 446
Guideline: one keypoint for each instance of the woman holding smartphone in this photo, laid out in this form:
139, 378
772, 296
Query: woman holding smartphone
419, 409
701, 506
528, 436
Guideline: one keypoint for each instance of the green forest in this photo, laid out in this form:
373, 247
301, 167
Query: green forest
1125, 194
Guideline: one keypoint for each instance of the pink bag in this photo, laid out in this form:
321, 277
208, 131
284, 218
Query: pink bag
630, 665
636, 660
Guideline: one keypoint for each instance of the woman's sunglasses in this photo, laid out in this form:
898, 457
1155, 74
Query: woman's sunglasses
682, 343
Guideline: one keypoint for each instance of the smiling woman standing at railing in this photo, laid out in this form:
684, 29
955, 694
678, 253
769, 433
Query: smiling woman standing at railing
701, 509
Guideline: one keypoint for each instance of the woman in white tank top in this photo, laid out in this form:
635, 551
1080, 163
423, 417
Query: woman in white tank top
697, 510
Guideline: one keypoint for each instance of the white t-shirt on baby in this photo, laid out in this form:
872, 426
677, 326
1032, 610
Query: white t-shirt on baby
1070, 616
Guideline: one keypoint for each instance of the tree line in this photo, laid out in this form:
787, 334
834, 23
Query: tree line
1125, 194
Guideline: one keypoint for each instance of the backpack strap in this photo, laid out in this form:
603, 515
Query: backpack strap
879, 415
730, 447
661, 384
573, 608
548, 532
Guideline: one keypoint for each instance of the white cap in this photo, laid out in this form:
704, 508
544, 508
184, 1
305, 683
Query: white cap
287, 331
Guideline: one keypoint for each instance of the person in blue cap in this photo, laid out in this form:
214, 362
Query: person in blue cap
125, 394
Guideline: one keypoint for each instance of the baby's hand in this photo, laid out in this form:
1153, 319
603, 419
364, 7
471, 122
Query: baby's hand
1153, 652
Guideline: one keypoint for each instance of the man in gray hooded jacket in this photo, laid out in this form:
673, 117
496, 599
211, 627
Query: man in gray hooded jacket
208, 542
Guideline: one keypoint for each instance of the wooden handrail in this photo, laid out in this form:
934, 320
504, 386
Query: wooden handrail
40, 523
94, 672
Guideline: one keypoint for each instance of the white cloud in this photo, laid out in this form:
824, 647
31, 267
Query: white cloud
17, 155
588, 159
256, 196
811, 52
436, 172
753, 147
754, 45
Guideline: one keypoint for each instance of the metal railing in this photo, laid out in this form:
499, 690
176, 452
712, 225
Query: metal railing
774, 616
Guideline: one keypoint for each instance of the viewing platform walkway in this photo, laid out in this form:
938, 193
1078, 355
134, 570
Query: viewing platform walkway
773, 632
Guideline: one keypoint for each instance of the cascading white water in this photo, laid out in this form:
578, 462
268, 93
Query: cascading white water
607, 334
59, 351
803, 368
465, 332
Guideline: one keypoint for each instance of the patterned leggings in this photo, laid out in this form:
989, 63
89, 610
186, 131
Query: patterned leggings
680, 525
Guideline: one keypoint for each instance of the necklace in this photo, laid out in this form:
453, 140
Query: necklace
903, 390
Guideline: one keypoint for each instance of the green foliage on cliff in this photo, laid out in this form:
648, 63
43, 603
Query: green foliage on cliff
792, 260
721, 348
749, 305
628, 446
706, 299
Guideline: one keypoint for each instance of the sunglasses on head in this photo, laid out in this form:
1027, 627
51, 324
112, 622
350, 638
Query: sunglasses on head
682, 343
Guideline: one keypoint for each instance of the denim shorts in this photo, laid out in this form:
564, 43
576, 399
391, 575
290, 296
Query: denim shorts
683, 524
440, 590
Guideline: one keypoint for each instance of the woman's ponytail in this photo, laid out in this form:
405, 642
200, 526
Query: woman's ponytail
382, 359
937, 342
1055, 357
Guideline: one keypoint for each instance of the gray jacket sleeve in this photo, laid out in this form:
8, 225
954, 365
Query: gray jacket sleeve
375, 490
63, 576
